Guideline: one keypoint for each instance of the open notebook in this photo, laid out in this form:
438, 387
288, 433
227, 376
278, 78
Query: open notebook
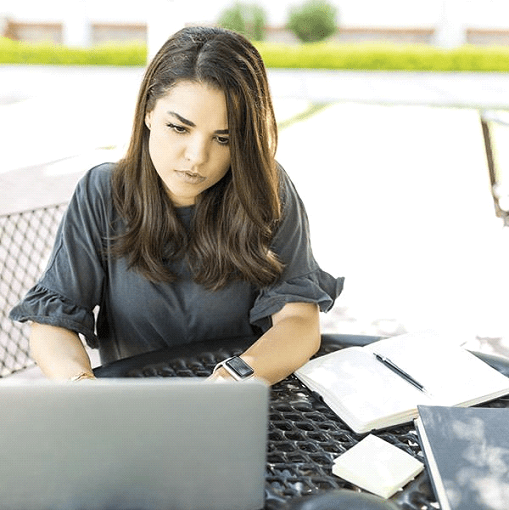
368, 395
133, 444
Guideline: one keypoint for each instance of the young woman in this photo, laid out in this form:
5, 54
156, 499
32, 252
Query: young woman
196, 234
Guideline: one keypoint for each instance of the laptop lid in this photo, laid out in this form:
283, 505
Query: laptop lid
179, 444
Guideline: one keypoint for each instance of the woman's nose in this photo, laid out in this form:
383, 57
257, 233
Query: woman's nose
197, 151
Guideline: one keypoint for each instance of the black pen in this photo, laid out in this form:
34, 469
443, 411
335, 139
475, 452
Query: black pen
392, 366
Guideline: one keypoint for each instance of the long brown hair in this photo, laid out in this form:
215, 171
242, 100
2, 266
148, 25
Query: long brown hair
235, 219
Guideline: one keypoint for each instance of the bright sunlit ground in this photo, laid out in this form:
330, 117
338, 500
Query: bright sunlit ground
400, 204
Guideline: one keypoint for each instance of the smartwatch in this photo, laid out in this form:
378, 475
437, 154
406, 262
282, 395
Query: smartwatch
236, 367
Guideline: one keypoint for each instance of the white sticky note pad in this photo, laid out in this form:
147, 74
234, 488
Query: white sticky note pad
377, 466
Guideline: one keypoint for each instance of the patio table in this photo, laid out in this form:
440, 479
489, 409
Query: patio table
304, 435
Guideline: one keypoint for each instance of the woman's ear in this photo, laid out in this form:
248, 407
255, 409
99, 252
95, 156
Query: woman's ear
148, 120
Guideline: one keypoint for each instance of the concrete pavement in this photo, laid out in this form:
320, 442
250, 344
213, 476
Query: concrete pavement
463, 90
393, 175
471, 90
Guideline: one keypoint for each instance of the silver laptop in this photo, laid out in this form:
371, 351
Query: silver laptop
171, 444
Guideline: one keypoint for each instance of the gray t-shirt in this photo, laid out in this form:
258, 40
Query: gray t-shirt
135, 315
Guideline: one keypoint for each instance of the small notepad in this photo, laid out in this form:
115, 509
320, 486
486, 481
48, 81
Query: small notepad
377, 466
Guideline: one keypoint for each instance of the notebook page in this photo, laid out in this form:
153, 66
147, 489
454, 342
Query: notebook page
449, 373
358, 387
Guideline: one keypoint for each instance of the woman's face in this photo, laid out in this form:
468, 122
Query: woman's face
189, 140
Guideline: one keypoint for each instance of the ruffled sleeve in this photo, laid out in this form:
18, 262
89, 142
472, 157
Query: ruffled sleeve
302, 280
72, 284
45, 306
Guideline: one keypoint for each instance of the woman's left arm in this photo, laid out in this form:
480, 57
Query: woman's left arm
291, 341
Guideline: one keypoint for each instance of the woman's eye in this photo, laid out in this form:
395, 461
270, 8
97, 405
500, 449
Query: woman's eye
223, 140
177, 128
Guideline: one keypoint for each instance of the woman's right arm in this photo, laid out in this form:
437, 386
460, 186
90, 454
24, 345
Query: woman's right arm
59, 353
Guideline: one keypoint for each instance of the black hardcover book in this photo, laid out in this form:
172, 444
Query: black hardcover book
467, 453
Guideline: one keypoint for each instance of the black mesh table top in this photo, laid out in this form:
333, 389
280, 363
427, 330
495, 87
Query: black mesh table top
304, 435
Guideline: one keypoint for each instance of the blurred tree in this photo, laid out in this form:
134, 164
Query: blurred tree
247, 19
313, 21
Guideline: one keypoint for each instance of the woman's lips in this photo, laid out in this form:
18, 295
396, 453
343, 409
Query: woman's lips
190, 177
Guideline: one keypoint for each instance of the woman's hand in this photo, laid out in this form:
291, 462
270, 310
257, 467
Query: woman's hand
291, 341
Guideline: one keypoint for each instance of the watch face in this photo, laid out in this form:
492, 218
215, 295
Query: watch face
239, 366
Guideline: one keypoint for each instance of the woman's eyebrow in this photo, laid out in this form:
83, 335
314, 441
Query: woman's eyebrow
182, 119
190, 123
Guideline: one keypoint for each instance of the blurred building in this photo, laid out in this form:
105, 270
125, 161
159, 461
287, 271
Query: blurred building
86, 22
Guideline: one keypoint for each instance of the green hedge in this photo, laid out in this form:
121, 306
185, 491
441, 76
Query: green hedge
377, 56
367, 56
13, 52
